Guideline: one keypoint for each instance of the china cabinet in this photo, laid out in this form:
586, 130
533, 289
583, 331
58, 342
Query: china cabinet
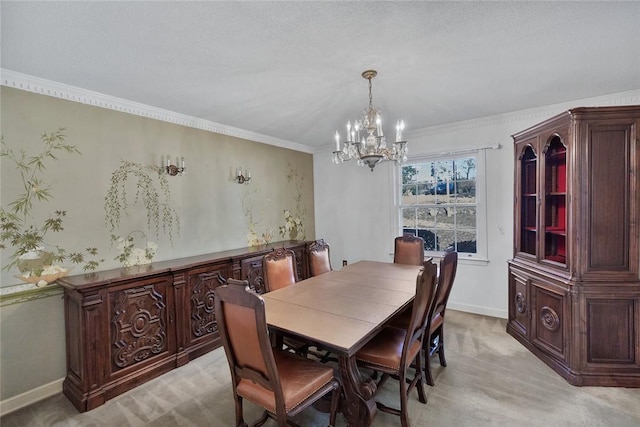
574, 285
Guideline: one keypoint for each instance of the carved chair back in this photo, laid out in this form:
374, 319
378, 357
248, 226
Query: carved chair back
319, 260
279, 269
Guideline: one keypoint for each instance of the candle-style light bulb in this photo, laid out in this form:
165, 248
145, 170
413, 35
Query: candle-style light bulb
337, 136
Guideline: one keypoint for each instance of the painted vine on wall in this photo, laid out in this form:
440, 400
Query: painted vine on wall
293, 227
153, 191
254, 215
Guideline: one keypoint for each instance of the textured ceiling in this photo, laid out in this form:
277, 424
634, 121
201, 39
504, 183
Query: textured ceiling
291, 70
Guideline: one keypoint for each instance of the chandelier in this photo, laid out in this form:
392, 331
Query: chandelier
365, 141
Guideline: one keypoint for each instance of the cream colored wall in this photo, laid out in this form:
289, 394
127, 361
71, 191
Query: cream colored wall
359, 220
207, 198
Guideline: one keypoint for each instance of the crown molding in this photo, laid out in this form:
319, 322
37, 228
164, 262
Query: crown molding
535, 114
41, 86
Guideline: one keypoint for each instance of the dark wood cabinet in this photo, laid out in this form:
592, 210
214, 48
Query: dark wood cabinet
198, 324
574, 285
127, 326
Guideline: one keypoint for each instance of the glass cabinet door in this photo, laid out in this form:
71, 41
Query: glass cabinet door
555, 201
528, 204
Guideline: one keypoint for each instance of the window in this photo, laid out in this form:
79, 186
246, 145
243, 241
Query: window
439, 202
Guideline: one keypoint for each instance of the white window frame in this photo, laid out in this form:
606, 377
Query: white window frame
481, 254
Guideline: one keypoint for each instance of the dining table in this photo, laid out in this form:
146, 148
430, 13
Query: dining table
340, 311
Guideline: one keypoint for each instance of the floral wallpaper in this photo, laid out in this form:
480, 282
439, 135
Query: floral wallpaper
292, 227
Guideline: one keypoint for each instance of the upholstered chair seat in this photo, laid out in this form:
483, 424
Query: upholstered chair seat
299, 378
386, 350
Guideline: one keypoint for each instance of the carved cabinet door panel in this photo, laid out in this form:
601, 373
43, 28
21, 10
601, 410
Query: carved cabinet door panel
199, 303
141, 330
251, 270
550, 319
519, 304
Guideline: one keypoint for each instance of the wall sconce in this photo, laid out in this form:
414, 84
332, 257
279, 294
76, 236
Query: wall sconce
242, 178
173, 170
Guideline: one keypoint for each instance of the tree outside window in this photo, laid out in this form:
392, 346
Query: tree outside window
438, 203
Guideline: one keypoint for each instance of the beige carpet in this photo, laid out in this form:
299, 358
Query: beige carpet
491, 380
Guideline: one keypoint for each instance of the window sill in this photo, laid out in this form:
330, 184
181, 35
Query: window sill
464, 259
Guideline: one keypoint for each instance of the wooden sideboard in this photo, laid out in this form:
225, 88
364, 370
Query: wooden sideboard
127, 326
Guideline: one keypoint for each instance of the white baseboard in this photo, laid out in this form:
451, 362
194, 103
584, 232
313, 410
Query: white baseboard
475, 309
32, 396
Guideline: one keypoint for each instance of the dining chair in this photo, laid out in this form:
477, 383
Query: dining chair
282, 383
434, 325
435, 332
320, 263
408, 249
319, 260
279, 269
393, 350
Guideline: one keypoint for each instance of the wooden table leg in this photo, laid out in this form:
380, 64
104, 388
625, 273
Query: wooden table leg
360, 408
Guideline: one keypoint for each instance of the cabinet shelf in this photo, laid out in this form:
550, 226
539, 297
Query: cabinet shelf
557, 157
556, 231
557, 258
